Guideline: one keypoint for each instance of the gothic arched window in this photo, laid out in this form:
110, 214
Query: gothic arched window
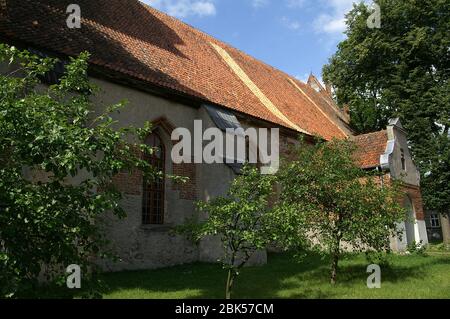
153, 192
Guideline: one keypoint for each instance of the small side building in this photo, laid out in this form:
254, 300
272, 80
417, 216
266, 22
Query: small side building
388, 152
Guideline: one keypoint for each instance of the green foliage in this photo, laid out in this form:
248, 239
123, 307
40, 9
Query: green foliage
441, 247
57, 160
401, 70
416, 248
338, 202
380, 258
242, 220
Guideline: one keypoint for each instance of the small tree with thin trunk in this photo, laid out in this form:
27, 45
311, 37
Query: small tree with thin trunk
241, 219
339, 202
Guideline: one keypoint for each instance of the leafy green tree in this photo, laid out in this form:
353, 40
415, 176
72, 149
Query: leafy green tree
401, 70
241, 219
57, 161
337, 202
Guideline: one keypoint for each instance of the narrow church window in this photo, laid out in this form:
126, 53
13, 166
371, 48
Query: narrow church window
403, 159
153, 193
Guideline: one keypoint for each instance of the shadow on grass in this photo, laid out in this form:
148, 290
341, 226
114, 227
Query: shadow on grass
282, 277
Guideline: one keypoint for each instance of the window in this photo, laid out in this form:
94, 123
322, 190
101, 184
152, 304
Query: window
403, 159
153, 192
434, 221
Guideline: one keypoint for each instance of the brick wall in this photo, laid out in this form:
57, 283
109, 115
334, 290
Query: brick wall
188, 190
416, 197
412, 191
129, 183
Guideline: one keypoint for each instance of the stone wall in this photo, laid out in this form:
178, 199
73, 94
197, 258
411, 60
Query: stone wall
141, 246
152, 246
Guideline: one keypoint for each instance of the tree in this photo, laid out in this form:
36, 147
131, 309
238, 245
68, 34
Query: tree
241, 219
337, 201
47, 222
401, 70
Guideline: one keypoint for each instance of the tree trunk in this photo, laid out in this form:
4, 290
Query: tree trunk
230, 281
334, 267
445, 226
335, 261
231, 274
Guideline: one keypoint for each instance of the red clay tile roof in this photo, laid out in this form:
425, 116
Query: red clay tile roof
369, 148
142, 43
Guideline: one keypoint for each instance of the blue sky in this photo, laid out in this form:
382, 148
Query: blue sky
296, 36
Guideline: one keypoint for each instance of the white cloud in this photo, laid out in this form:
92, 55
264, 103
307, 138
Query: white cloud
259, 3
326, 23
333, 22
290, 24
184, 8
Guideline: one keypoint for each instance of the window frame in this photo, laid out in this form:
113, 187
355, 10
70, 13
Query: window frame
153, 192
435, 221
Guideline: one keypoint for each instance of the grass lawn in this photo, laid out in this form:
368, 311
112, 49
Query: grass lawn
412, 276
